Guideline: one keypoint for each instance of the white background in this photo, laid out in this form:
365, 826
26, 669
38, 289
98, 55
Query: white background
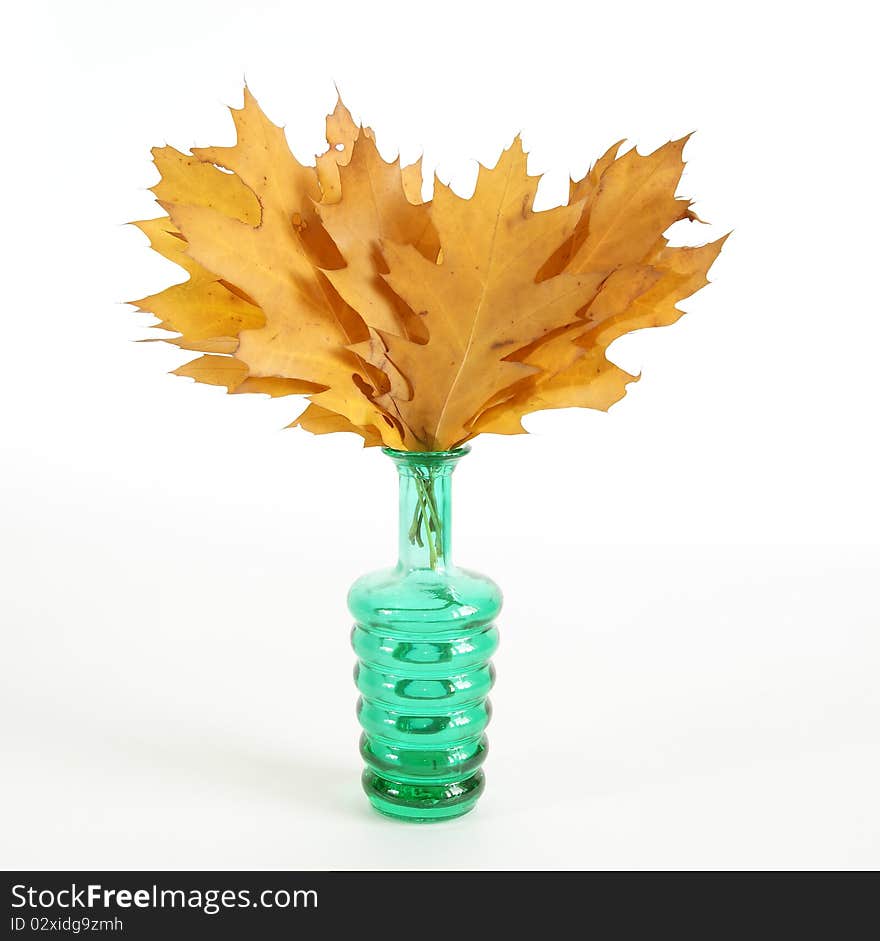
690, 656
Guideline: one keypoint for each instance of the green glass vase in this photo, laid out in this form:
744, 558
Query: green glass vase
424, 632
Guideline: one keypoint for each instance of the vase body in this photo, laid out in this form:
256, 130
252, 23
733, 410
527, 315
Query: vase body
423, 635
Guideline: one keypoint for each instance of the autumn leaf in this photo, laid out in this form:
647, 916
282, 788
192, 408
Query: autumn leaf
375, 209
574, 370
482, 301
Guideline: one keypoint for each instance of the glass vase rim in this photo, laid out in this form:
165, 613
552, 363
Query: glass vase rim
426, 457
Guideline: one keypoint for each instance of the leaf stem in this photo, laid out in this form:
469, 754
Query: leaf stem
427, 516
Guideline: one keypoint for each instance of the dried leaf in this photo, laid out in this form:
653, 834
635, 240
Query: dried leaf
375, 208
187, 179
574, 368
633, 205
202, 308
482, 301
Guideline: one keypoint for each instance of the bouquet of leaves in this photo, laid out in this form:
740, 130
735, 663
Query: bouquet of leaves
414, 324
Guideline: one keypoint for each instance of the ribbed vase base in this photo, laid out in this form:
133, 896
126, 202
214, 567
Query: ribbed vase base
423, 803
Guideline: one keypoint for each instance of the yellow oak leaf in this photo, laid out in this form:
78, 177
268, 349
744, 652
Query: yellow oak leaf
262, 161
482, 301
374, 207
187, 179
202, 308
683, 271
582, 191
634, 203
308, 326
575, 371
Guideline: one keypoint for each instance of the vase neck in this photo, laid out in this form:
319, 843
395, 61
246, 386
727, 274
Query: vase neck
425, 521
